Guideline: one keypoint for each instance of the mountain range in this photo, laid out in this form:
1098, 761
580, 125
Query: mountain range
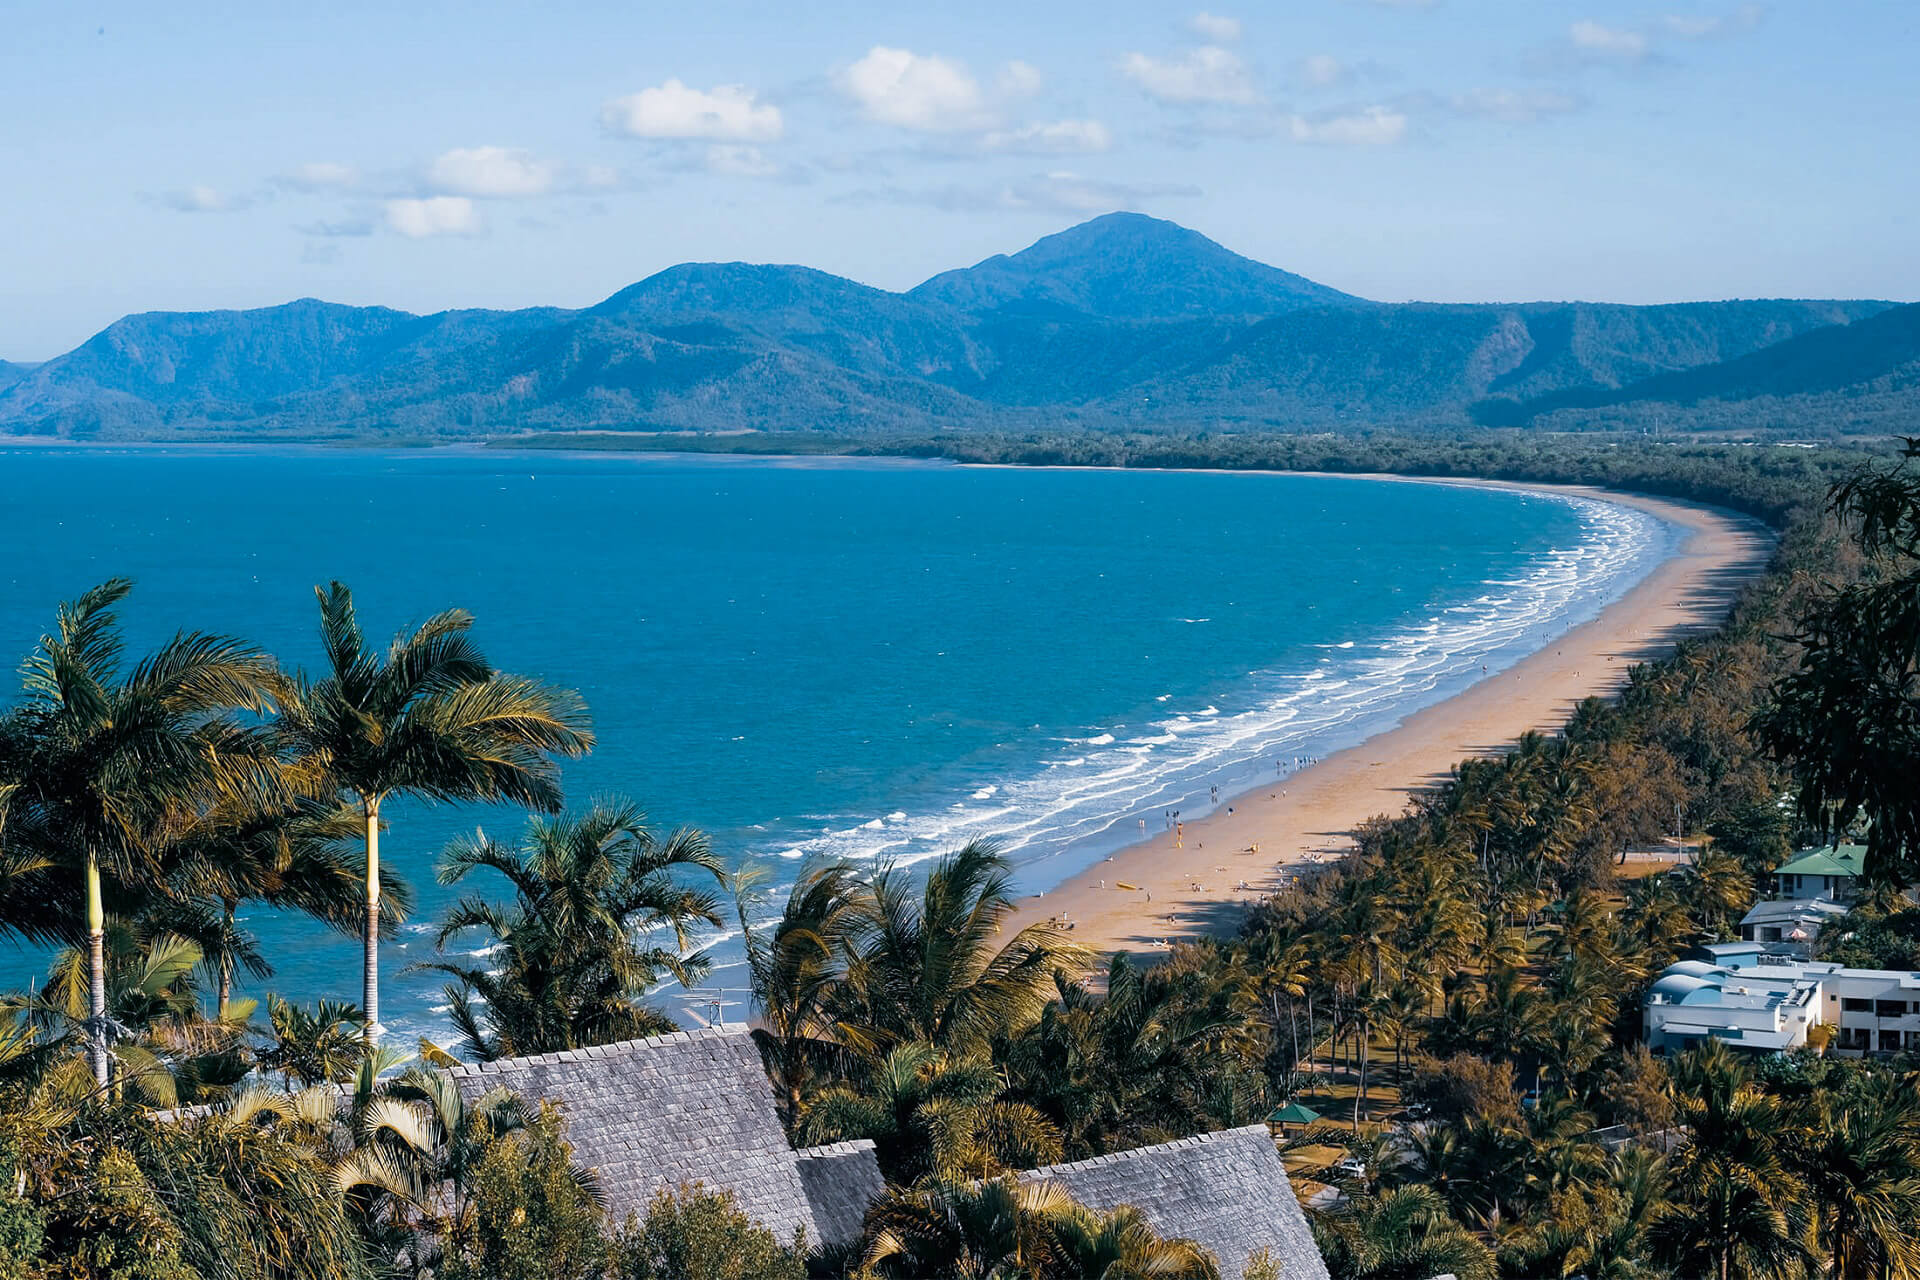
1123, 321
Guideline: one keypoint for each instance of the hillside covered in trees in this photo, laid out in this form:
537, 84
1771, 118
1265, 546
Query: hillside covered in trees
1124, 322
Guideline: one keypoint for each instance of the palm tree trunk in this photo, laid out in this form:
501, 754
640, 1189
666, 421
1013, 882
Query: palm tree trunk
96, 974
370, 972
226, 956
1360, 1094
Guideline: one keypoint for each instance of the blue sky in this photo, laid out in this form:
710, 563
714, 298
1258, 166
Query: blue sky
430, 155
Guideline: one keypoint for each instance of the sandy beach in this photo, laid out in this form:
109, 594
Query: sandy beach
1305, 817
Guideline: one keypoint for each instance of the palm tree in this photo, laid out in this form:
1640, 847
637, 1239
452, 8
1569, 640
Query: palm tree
964, 1230
926, 966
430, 718
576, 949
798, 970
1403, 1234
1729, 1229
313, 1046
1121, 1245
1862, 1170
285, 856
108, 763
927, 1114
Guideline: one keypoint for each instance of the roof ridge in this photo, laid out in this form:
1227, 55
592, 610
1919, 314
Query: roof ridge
619, 1048
1114, 1157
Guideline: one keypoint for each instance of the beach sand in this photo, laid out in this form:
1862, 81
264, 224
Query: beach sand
1306, 816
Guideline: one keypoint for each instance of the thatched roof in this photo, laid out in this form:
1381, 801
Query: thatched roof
1226, 1190
694, 1106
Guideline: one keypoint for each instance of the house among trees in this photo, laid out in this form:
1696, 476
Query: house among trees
1749, 1000
1831, 874
1790, 927
696, 1107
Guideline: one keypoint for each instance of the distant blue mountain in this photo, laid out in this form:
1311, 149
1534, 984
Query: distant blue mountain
1127, 266
1121, 321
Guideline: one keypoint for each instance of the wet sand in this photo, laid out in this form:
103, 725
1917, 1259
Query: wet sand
1306, 816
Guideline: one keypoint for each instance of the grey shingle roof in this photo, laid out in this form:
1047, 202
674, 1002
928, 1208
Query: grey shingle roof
1226, 1190
841, 1179
694, 1106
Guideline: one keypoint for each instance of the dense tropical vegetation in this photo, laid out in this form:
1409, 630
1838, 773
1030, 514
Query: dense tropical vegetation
1459, 999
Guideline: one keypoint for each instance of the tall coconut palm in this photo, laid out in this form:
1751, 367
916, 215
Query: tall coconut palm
1862, 1170
577, 948
798, 967
430, 718
288, 856
109, 763
926, 966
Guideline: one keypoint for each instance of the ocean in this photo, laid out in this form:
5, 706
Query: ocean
804, 658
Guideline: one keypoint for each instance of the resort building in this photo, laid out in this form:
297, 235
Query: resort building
696, 1107
1738, 994
1832, 873
1790, 927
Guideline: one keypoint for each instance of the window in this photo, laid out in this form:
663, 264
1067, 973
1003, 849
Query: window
1769, 935
1889, 1042
1890, 1008
1852, 1005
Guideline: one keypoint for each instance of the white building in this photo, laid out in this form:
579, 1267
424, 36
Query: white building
1750, 1000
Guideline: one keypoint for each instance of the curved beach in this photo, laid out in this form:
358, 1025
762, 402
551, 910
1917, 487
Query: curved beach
1201, 883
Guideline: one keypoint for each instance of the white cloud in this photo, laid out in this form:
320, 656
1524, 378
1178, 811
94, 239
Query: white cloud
1206, 74
1368, 127
1515, 106
1612, 42
1215, 29
1018, 80
203, 199
739, 160
1323, 71
728, 112
321, 175
1057, 137
433, 216
914, 91
490, 173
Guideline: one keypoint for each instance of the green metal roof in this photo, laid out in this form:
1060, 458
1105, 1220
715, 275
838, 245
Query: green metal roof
1834, 860
1293, 1113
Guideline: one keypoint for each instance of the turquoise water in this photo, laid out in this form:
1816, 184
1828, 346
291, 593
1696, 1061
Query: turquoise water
858, 659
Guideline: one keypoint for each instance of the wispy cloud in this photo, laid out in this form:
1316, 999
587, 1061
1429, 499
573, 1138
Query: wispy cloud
490, 173
1057, 192
203, 199
1375, 126
1208, 74
1513, 106
1214, 28
1055, 137
919, 91
430, 216
725, 113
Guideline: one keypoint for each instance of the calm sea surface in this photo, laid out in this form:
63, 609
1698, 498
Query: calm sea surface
859, 659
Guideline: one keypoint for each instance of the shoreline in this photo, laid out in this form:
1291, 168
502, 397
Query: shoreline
1191, 889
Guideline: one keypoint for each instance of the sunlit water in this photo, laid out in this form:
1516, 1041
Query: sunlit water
867, 660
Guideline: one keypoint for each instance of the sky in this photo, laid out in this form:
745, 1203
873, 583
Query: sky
425, 155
